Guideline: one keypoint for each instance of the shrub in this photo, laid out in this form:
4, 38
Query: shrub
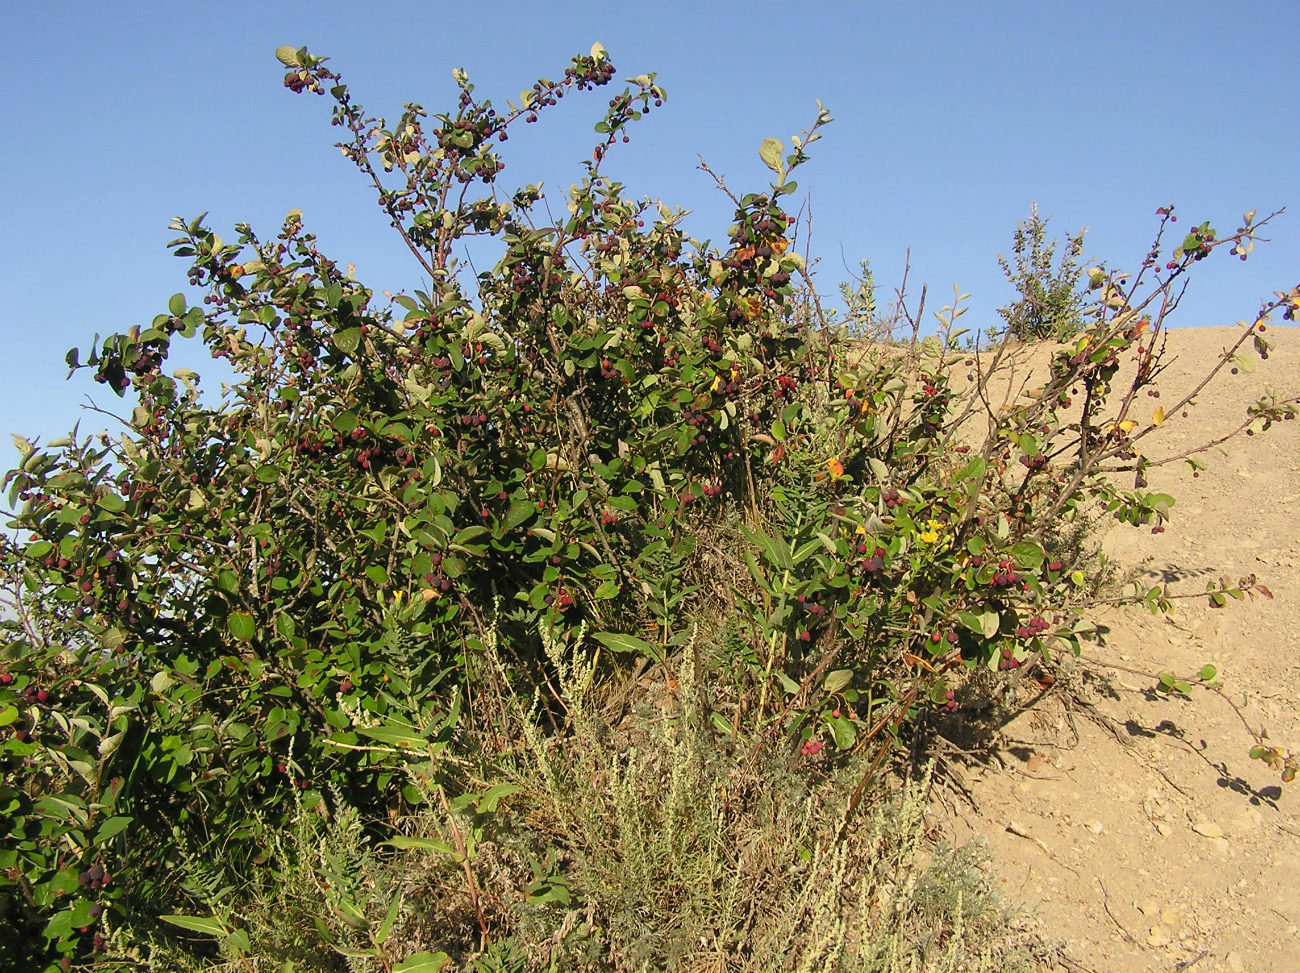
1052, 298
331, 589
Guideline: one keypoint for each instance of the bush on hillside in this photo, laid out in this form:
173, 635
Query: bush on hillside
360, 584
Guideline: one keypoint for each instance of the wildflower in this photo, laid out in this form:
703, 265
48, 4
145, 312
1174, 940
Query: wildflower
835, 467
933, 529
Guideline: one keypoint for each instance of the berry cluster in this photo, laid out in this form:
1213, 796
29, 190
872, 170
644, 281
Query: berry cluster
700, 422
1006, 575
811, 748
876, 562
587, 72
1037, 626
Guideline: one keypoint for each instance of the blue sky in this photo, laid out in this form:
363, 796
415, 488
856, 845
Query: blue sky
951, 118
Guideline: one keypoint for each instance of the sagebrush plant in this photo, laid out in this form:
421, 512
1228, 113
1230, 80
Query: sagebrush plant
227, 612
679, 856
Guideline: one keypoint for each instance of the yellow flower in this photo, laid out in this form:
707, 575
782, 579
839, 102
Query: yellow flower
933, 529
836, 467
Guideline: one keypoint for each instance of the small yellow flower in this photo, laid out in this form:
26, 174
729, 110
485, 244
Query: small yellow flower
933, 529
860, 530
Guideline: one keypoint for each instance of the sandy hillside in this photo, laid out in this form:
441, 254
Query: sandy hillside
1136, 826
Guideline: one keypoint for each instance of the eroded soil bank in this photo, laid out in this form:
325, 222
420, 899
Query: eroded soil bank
1135, 825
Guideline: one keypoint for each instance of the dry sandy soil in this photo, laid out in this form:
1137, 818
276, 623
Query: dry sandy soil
1135, 826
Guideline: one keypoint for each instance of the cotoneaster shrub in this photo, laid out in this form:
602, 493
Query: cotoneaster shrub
282, 600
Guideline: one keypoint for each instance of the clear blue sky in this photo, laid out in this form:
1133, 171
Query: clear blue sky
951, 119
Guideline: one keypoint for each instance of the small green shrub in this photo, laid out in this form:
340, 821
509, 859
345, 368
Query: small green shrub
1052, 295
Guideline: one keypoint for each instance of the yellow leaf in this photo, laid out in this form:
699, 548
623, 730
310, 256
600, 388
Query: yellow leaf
1128, 425
1158, 418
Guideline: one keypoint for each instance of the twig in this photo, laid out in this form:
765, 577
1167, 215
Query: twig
1105, 904
1019, 831
469, 872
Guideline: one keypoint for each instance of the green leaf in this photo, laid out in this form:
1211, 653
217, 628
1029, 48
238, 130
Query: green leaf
1028, 555
238, 939
209, 926
241, 626
177, 305
348, 340
377, 574
287, 55
770, 152
843, 731
284, 624
518, 512
1208, 673
424, 962
267, 473
390, 917
467, 535
972, 470
112, 503
487, 804
837, 680
617, 642
345, 422
111, 827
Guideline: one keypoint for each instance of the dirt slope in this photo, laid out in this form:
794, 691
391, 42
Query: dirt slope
1135, 825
